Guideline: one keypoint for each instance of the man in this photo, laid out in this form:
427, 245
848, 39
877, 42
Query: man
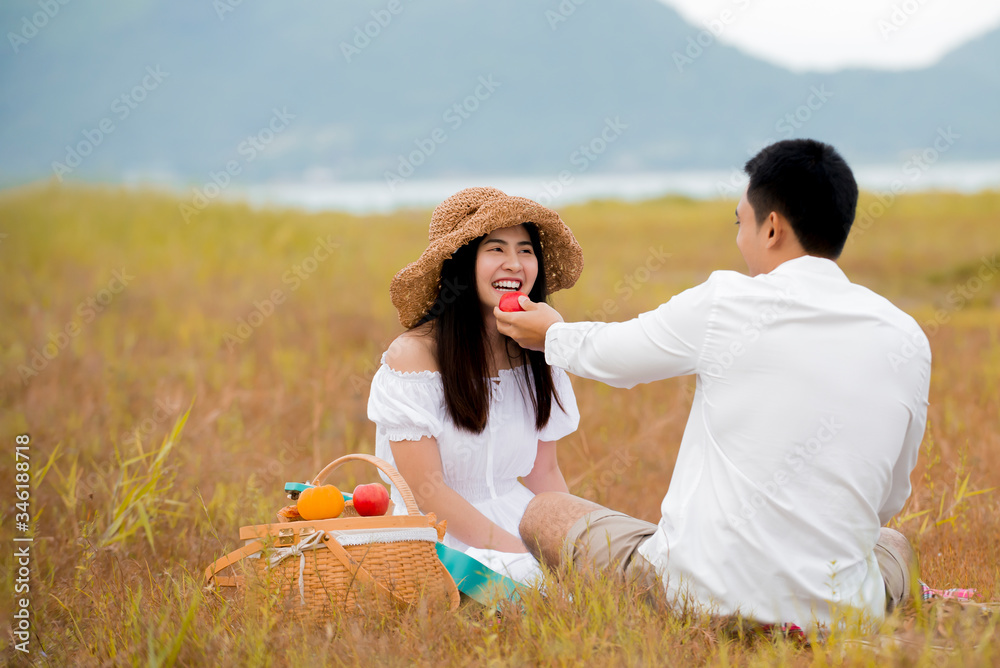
807, 418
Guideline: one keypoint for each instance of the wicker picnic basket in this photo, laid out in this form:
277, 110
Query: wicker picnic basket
344, 562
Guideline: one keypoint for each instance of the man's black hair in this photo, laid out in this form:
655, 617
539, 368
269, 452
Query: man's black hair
810, 184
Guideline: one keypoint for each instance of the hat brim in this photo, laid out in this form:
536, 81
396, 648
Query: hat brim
415, 287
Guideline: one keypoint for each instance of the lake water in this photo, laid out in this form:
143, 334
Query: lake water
376, 196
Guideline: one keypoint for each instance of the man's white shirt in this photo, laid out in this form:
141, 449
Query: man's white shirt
807, 419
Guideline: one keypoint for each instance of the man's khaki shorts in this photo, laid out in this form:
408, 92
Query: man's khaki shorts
608, 541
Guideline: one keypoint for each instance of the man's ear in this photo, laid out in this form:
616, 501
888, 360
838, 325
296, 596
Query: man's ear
779, 229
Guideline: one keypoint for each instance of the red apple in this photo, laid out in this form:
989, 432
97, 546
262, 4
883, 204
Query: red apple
371, 500
508, 301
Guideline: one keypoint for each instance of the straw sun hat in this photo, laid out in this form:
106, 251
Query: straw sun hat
467, 215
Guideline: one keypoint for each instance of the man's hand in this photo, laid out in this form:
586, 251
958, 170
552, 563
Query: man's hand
528, 327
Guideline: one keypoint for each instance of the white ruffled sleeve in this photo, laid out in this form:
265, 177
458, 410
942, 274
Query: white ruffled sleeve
562, 421
406, 406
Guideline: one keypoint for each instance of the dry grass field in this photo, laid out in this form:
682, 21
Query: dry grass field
267, 325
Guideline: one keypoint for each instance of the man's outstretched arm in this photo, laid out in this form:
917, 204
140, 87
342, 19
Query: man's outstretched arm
658, 344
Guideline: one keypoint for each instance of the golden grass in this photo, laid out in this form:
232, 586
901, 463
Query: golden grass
135, 503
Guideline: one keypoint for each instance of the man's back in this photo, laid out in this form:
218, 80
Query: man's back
806, 423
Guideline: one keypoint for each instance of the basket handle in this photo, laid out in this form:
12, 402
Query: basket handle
212, 572
359, 572
382, 465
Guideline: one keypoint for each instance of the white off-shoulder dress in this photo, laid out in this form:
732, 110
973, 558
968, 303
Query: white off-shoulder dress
483, 468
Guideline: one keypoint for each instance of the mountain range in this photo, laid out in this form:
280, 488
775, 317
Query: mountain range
396, 89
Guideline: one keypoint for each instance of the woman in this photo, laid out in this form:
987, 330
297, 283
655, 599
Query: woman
461, 411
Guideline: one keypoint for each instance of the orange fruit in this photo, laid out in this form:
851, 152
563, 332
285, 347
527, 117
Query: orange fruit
320, 503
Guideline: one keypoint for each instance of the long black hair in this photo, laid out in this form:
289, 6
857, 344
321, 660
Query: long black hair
461, 336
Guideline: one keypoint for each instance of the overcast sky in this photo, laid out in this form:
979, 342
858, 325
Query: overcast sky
828, 34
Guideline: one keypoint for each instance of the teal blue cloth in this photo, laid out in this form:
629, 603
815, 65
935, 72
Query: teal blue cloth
475, 579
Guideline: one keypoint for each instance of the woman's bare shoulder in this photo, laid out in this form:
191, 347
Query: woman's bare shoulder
413, 350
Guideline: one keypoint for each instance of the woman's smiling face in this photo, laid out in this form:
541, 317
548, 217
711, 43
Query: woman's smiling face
505, 262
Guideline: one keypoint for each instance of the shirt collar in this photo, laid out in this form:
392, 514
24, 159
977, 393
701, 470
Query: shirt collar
810, 264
